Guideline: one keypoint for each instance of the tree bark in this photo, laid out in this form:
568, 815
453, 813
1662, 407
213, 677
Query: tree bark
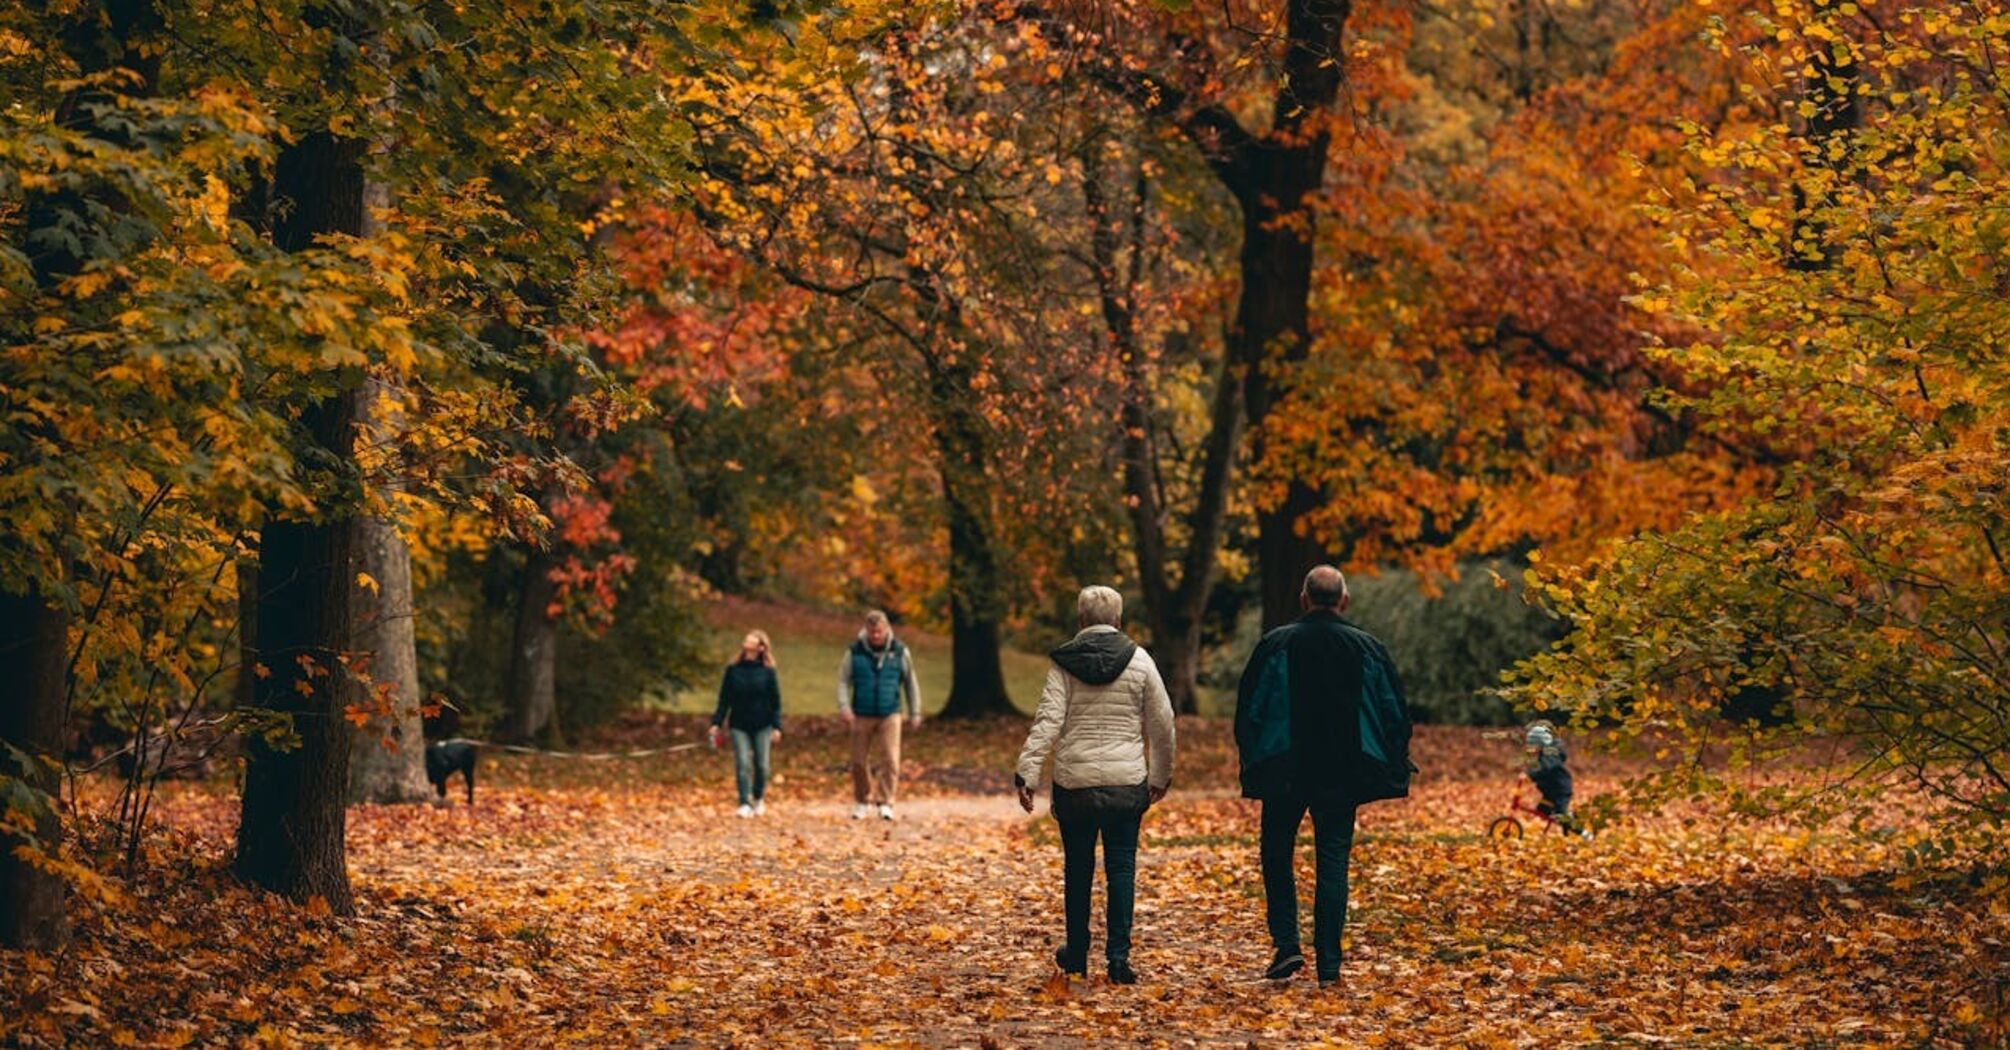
387, 758
1272, 176
290, 837
976, 605
246, 694
532, 691
1174, 611
34, 657
1272, 320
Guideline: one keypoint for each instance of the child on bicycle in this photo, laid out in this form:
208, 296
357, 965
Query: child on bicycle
1546, 767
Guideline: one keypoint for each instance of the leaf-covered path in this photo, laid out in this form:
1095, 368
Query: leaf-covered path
628, 910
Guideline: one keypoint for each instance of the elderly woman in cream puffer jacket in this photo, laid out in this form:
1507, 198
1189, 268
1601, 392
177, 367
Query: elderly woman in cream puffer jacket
1107, 722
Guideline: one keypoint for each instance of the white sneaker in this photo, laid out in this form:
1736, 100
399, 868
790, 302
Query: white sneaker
761, 807
859, 811
885, 811
745, 811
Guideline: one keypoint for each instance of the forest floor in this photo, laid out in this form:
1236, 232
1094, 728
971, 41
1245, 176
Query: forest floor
622, 904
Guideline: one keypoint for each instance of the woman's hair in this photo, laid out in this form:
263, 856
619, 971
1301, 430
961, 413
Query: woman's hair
1099, 606
767, 647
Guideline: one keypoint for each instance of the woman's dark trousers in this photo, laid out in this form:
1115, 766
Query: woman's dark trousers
1081, 826
1332, 841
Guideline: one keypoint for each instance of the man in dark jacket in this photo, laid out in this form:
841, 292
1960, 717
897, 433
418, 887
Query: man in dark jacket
1322, 727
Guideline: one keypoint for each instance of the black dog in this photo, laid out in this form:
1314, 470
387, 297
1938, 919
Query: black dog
443, 757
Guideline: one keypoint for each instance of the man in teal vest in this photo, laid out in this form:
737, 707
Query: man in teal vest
875, 681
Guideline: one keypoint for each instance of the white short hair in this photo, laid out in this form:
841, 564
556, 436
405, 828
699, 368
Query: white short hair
1099, 605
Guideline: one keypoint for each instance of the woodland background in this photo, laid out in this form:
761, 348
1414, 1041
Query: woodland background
366, 366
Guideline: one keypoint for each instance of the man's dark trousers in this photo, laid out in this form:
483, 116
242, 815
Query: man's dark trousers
1333, 841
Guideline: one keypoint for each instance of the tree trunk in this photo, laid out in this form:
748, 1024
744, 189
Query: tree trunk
976, 670
533, 660
977, 673
290, 838
34, 657
387, 758
1272, 329
976, 591
246, 694
1174, 611
1272, 177
1285, 553
1176, 649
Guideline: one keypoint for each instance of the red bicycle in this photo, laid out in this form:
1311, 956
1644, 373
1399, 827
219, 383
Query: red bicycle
1510, 826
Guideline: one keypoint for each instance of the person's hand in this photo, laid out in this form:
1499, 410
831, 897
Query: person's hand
715, 735
1026, 799
914, 722
847, 716
1155, 795
777, 737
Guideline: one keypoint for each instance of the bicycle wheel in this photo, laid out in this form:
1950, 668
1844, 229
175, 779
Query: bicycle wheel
1504, 828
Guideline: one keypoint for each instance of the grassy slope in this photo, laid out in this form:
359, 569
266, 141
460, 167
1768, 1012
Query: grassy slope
808, 645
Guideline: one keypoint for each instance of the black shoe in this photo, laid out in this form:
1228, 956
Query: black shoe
1070, 965
1288, 961
1328, 980
1121, 972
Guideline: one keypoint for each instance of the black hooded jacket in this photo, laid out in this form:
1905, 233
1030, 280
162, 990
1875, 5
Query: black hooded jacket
1096, 658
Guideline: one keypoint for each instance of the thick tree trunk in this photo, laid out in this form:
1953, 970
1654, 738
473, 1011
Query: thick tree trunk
387, 759
976, 671
1272, 326
532, 691
1176, 649
290, 838
34, 656
1285, 553
1272, 329
1273, 177
977, 674
246, 694
976, 588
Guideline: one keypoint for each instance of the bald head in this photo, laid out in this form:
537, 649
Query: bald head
1325, 588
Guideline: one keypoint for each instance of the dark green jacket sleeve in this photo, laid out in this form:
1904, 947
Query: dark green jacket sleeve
1245, 728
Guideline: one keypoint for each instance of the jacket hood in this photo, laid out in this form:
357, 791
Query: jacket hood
1097, 655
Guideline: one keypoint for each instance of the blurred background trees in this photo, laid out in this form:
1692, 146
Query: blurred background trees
605, 320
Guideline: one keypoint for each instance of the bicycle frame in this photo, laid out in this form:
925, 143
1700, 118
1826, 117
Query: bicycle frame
1510, 826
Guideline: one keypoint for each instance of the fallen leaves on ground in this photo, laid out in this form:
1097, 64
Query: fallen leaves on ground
625, 905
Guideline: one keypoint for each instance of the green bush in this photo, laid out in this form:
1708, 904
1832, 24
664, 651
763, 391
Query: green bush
1450, 648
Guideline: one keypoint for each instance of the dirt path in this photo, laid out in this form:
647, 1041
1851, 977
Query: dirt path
932, 929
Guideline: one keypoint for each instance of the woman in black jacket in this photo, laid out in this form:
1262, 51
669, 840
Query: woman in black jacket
750, 702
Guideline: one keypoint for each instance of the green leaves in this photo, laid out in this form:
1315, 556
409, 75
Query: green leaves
1851, 330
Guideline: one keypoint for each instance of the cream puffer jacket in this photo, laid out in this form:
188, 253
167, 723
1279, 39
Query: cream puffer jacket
1104, 717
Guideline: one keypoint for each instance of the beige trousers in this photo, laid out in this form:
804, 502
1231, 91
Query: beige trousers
875, 759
